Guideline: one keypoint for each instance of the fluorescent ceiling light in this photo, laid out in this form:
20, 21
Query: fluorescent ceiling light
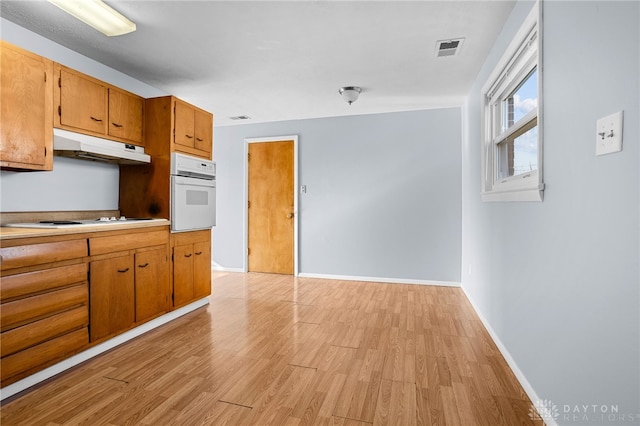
98, 15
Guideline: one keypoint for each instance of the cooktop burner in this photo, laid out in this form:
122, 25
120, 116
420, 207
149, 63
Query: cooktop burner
61, 222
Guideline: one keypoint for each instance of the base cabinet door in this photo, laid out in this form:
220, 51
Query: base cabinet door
201, 269
182, 274
153, 284
112, 296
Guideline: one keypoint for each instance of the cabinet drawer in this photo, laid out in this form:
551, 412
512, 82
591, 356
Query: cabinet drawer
21, 311
114, 243
39, 331
43, 353
20, 285
184, 238
37, 254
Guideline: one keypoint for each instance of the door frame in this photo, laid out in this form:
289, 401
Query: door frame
247, 141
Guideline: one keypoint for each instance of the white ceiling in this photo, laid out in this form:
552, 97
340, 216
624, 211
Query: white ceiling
286, 60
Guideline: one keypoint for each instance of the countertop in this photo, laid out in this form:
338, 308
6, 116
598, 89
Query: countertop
7, 233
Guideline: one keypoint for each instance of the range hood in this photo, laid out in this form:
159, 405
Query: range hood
85, 147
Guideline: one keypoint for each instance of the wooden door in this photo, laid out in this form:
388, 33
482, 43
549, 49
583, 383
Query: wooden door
271, 217
184, 124
111, 299
201, 269
182, 274
153, 287
125, 115
83, 102
26, 127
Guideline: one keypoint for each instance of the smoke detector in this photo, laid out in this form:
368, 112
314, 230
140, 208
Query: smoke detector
450, 47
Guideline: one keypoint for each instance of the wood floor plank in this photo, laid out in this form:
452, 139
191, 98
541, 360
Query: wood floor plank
396, 404
280, 350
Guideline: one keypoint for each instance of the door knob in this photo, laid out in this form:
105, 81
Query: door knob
290, 216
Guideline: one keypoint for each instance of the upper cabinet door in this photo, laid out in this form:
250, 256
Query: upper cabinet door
125, 115
26, 120
184, 124
203, 130
83, 102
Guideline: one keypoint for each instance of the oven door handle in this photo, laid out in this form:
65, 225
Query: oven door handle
190, 181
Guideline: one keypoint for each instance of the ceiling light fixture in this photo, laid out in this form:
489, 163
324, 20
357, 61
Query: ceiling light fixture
98, 15
350, 93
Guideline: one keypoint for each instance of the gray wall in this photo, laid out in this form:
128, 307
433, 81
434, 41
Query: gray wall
559, 281
383, 195
73, 184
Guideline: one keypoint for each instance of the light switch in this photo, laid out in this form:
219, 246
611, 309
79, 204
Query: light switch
609, 134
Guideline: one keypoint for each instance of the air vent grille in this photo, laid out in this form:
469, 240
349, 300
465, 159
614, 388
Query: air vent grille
450, 47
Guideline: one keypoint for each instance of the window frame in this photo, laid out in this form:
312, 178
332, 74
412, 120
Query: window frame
523, 55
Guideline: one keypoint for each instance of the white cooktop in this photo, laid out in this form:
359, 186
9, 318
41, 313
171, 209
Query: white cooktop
58, 224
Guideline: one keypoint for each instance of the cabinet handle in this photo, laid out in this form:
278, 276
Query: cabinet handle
198, 253
143, 266
123, 270
199, 139
96, 119
188, 255
117, 125
190, 137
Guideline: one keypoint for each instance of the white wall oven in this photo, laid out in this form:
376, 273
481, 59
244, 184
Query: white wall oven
193, 193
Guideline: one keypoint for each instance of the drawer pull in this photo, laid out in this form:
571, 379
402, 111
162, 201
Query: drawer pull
143, 266
96, 119
189, 137
199, 139
123, 270
188, 255
117, 125
198, 253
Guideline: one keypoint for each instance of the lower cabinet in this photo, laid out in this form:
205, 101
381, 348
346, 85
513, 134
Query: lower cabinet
130, 285
153, 284
44, 311
112, 296
61, 295
191, 266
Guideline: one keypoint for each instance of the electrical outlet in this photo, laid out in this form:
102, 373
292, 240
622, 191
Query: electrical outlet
303, 189
609, 134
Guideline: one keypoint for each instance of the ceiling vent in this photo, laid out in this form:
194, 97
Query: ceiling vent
240, 117
449, 47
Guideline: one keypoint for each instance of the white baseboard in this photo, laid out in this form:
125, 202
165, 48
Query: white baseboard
531, 393
66, 364
217, 267
380, 280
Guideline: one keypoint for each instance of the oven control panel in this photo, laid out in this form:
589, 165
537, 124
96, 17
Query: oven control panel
186, 165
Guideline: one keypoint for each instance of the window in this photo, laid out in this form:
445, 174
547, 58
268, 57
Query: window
511, 107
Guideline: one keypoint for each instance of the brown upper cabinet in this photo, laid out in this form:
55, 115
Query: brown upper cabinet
26, 117
174, 124
87, 105
193, 127
125, 115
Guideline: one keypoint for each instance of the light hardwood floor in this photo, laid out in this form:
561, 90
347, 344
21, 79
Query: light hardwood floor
276, 350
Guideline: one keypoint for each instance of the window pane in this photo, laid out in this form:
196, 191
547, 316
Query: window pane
521, 101
518, 155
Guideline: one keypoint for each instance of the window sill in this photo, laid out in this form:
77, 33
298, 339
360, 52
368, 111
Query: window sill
529, 194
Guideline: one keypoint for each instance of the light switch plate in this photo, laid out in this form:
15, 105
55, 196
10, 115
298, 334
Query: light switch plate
609, 134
